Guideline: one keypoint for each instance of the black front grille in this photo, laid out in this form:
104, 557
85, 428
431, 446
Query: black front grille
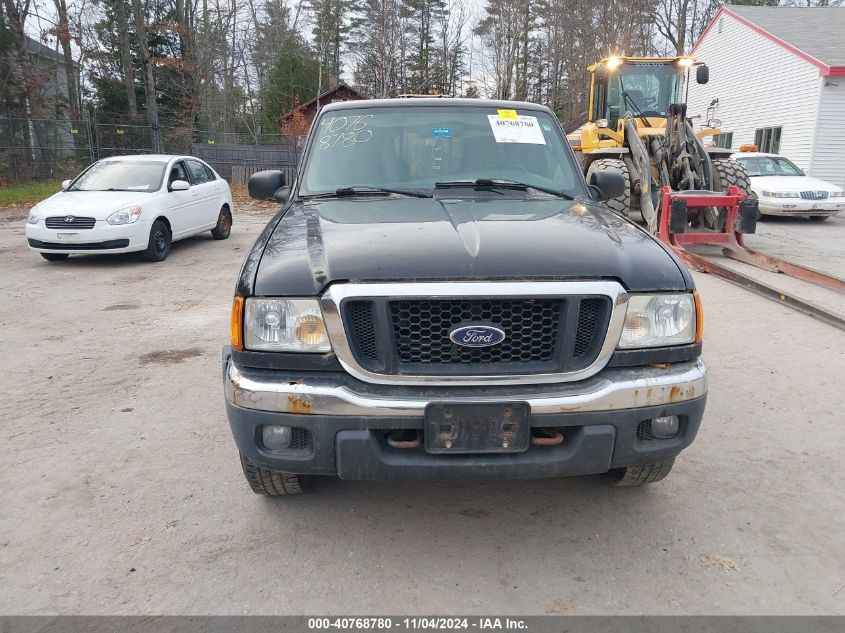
411, 335
69, 222
362, 320
421, 330
589, 315
814, 195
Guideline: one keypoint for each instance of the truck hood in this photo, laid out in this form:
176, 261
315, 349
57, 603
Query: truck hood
318, 242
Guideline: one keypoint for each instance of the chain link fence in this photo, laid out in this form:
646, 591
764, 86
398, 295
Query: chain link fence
33, 149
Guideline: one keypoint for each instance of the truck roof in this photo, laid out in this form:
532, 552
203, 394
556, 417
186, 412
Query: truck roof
433, 101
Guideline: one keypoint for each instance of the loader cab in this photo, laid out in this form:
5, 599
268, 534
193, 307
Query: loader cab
636, 85
639, 85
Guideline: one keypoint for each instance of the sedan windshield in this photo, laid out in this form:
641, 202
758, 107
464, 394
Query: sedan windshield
414, 150
113, 175
770, 166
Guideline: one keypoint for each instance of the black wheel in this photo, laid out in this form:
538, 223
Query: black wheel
54, 257
270, 482
622, 204
819, 218
158, 248
643, 474
730, 172
224, 225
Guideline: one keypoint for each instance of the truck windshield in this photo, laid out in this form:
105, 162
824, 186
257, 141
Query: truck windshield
413, 148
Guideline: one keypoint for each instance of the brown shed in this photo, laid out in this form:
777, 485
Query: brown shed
308, 110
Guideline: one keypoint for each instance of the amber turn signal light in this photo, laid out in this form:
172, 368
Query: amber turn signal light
699, 317
237, 323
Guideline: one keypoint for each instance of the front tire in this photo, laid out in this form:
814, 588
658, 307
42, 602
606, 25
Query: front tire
224, 225
270, 482
54, 257
158, 247
819, 218
642, 474
621, 204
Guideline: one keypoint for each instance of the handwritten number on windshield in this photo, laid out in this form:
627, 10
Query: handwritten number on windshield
344, 131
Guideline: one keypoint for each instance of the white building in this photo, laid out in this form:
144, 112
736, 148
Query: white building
777, 80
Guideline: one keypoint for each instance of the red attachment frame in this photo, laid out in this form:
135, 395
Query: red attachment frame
733, 246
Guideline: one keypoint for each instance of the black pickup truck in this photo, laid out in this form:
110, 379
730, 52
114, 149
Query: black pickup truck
443, 296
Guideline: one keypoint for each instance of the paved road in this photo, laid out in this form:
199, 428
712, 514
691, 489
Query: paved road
121, 492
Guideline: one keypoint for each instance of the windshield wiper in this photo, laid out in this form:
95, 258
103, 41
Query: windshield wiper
499, 183
343, 192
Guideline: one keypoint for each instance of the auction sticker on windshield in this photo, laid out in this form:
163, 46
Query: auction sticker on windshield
523, 129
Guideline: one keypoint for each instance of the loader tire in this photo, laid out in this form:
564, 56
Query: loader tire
643, 474
728, 172
270, 482
622, 204
731, 172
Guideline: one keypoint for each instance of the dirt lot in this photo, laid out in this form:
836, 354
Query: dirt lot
121, 492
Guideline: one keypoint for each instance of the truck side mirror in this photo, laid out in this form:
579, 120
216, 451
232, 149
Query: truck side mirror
702, 74
605, 185
268, 185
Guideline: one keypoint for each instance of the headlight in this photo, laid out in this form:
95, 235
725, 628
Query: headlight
837, 194
658, 320
781, 194
285, 325
127, 215
32, 218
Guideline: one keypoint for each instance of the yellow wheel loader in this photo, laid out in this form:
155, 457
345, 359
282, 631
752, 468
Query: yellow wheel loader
637, 125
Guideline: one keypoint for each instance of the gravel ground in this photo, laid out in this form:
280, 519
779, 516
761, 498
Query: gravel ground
121, 491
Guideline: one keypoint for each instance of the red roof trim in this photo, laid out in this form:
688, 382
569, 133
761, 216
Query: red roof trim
824, 69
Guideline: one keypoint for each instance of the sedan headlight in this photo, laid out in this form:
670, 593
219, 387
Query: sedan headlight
285, 325
659, 320
837, 194
127, 215
32, 218
781, 194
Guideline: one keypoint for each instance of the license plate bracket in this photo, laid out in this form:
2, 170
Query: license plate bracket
477, 427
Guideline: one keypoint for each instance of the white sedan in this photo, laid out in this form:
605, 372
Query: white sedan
782, 188
131, 203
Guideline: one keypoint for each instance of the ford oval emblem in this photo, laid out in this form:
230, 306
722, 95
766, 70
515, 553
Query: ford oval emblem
476, 335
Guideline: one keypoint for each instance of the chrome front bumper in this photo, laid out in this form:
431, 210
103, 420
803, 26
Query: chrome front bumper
340, 394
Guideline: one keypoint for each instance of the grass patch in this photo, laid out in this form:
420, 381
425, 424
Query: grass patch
26, 195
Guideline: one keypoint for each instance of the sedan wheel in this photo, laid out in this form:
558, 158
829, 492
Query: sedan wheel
158, 247
224, 225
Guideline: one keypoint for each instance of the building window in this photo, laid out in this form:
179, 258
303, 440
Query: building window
767, 139
725, 139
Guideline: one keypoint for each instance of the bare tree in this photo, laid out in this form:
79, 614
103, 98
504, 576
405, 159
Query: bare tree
122, 24
148, 77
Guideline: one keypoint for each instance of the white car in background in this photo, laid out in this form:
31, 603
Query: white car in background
131, 203
782, 188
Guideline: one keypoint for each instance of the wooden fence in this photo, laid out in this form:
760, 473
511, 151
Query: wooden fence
241, 173
237, 162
